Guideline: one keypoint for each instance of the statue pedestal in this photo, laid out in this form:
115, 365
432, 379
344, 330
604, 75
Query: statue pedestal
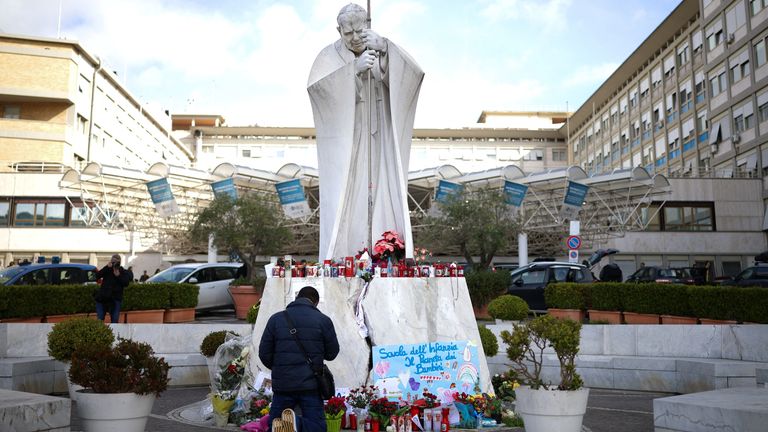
397, 311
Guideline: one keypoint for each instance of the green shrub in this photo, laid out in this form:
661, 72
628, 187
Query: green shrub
567, 295
753, 304
674, 299
642, 298
488, 339
182, 295
257, 282
484, 286
145, 296
70, 335
607, 296
213, 340
715, 302
508, 307
253, 313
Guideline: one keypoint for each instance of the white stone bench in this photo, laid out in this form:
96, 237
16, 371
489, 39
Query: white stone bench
663, 358
29, 412
761, 376
733, 409
25, 365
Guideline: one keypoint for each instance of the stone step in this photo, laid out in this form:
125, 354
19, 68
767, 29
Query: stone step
29, 412
734, 409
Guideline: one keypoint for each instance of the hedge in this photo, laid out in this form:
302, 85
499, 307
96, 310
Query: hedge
25, 301
567, 295
746, 304
508, 307
484, 286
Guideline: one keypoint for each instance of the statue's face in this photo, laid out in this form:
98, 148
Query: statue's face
351, 31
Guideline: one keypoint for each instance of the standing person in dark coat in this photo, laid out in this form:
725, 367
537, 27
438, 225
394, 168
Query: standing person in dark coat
293, 382
114, 279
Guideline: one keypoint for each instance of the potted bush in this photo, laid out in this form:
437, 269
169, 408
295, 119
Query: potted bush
606, 302
334, 410
121, 384
488, 340
508, 308
144, 303
567, 300
211, 342
542, 405
246, 293
484, 286
73, 334
182, 300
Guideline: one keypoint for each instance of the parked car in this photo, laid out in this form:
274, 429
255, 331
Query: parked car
213, 280
528, 282
48, 274
750, 276
662, 275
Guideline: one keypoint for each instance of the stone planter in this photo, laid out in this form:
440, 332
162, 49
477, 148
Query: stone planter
179, 315
481, 312
60, 318
611, 317
577, 315
113, 412
72, 388
551, 410
29, 320
674, 319
145, 316
716, 321
244, 296
639, 318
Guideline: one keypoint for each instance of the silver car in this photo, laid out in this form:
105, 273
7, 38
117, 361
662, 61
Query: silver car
213, 280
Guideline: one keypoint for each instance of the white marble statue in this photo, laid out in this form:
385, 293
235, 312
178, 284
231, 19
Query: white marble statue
339, 90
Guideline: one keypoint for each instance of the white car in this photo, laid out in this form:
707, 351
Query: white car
213, 280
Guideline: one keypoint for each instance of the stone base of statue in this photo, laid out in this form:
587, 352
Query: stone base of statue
395, 311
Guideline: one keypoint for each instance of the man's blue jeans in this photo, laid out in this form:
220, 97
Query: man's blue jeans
312, 417
114, 313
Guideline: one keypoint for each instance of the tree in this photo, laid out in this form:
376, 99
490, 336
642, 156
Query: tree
480, 223
248, 227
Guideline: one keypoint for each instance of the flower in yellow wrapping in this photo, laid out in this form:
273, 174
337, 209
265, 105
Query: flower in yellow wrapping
222, 406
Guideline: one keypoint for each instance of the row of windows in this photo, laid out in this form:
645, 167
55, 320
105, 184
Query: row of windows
679, 217
44, 213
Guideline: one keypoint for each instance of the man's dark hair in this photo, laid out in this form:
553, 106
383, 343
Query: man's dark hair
310, 293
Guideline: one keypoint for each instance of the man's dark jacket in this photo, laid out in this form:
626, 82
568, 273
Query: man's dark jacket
280, 353
112, 286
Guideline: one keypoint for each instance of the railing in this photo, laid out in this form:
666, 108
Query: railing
33, 167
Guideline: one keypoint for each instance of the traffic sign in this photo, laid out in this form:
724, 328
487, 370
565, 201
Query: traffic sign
573, 256
573, 242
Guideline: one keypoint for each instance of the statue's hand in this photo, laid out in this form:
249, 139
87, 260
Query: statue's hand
375, 42
365, 61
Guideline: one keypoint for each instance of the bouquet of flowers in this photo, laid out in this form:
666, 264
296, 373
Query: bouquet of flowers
382, 410
421, 255
430, 400
334, 408
255, 406
227, 381
232, 358
504, 385
390, 245
493, 408
362, 396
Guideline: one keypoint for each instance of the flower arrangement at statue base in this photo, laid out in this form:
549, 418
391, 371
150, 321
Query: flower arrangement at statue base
233, 399
358, 399
334, 410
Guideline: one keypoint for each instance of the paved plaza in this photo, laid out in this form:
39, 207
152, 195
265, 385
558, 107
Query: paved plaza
607, 411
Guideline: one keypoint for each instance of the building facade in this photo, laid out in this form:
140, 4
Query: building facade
691, 102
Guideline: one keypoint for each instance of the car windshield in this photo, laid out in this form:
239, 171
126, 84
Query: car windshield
9, 273
173, 274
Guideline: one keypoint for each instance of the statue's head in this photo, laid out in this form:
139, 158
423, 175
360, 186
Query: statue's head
351, 20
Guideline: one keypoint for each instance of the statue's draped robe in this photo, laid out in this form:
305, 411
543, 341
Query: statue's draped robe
340, 107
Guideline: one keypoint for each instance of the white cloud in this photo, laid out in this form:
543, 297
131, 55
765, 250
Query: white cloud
590, 75
550, 14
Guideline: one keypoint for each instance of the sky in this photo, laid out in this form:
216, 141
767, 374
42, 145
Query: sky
249, 60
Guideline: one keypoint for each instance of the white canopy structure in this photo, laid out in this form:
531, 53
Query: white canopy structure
118, 198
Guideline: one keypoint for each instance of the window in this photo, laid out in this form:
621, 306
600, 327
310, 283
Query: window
559, 155
78, 216
762, 106
12, 112
714, 35
755, 6
39, 214
682, 55
717, 82
675, 216
4, 213
700, 87
743, 117
533, 155
760, 52
246, 153
740, 66
735, 17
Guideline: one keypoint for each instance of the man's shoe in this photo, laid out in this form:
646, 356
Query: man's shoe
289, 420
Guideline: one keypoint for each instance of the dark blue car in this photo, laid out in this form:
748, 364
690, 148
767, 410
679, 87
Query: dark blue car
48, 274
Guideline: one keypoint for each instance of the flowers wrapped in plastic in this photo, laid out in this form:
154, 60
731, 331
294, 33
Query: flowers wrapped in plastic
231, 384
